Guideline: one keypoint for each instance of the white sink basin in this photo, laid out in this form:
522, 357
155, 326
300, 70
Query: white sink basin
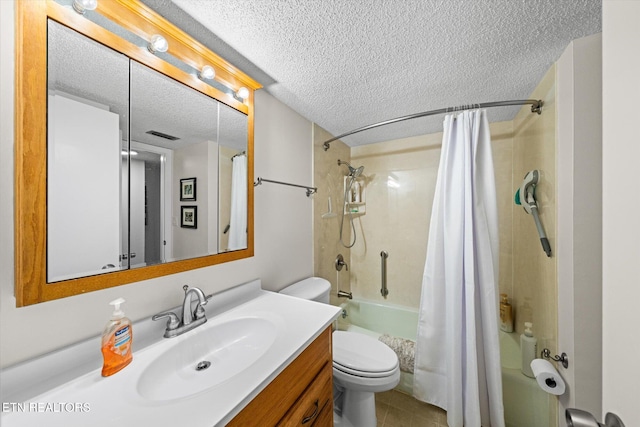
251, 338
204, 358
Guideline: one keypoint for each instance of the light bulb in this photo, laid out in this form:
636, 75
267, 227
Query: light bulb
81, 6
157, 44
207, 73
243, 93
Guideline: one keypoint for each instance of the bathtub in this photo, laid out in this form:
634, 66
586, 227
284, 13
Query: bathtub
525, 404
375, 319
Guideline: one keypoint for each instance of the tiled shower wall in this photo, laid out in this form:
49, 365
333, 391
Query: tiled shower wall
534, 288
328, 177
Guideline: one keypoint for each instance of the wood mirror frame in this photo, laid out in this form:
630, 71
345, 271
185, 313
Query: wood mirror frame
30, 197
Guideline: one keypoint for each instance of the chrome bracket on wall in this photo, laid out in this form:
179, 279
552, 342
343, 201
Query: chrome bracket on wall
563, 359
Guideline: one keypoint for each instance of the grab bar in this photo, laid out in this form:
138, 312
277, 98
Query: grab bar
383, 262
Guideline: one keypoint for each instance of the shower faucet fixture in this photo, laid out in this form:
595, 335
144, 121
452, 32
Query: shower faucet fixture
341, 263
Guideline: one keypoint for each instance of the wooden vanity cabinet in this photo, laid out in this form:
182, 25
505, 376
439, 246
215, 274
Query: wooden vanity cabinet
300, 396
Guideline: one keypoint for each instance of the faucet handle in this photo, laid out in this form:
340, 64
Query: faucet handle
172, 323
199, 313
185, 288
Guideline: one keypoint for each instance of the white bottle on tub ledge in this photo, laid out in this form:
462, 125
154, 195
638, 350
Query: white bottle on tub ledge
356, 192
528, 348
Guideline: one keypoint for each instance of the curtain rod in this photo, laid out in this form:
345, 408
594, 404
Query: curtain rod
536, 107
310, 190
239, 154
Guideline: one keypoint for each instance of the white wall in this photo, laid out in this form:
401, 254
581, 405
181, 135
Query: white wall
283, 232
283, 153
579, 107
621, 207
193, 162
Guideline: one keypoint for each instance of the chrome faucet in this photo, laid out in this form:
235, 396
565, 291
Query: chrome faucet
187, 316
190, 319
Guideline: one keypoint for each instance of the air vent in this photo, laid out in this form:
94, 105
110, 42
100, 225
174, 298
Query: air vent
162, 135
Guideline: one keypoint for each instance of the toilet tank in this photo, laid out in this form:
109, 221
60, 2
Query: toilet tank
312, 288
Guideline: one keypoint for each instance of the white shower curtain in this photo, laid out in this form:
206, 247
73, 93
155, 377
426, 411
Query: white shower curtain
457, 365
238, 221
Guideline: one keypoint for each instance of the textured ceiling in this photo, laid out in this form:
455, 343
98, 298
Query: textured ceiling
83, 68
344, 64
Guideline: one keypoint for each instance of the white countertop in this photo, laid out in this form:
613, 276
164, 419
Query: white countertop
91, 400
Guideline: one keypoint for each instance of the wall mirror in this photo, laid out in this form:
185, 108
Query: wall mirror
129, 164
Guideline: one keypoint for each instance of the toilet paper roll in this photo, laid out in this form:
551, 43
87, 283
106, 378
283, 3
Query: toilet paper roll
547, 377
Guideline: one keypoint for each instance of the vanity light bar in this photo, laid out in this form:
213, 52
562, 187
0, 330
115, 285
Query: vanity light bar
207, 73
158, 44
81, 6
216, 72
243, 93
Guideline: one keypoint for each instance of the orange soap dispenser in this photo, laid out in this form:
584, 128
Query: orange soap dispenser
116, 341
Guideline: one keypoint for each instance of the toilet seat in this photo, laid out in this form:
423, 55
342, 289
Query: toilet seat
363, 374
362, 356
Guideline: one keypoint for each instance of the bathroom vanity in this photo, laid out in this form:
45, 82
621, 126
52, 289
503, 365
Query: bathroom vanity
270, 364
301, 394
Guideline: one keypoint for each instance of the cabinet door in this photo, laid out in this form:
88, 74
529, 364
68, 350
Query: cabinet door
282, 395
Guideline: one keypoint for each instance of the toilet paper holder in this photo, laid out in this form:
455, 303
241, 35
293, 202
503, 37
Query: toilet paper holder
563, 358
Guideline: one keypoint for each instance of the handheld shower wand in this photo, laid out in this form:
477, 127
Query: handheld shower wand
526, 197
353, 174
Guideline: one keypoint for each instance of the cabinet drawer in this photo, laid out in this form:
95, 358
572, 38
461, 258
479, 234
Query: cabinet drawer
312, 402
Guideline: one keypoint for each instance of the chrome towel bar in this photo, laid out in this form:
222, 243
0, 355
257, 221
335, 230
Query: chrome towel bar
310, 190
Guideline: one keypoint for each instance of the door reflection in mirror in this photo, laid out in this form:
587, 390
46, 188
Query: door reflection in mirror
87, 118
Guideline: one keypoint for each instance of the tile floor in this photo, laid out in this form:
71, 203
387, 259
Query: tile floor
396, 409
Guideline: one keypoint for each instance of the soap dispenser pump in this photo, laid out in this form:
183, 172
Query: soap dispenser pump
116, 341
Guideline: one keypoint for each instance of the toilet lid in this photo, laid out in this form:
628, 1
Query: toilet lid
361, 355
310, 289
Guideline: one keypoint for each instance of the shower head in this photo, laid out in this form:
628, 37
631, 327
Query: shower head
353, 172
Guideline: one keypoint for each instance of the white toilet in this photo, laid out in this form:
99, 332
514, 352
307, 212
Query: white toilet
362, 365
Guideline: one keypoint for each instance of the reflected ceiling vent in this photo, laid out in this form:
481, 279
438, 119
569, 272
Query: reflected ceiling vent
162, 135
